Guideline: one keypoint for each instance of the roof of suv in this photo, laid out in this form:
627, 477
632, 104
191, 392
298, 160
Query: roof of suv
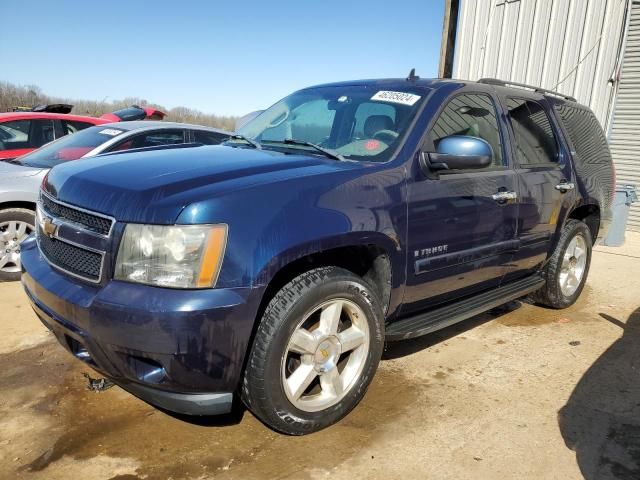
441, 82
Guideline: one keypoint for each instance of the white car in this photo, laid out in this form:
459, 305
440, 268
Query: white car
20, 178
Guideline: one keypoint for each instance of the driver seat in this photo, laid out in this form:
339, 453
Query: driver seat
377, 123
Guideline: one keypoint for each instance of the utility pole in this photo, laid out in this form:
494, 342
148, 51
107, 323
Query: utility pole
448, 44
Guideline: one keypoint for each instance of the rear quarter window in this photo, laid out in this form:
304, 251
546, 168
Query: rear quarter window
590, 150
585, 134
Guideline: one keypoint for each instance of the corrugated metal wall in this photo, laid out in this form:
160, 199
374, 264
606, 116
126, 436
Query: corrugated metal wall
625, 128
567, 45
572, 46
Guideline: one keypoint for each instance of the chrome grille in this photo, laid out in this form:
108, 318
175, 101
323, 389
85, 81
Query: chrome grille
73, 239
89, 221
73, 259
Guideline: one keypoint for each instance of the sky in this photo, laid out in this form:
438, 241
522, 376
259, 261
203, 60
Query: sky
225, 58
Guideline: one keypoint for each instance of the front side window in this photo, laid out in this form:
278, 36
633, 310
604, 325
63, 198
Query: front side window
72, 126
208, 138
472, 115
536, 142
358, 122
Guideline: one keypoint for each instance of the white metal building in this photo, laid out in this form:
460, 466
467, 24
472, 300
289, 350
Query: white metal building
589, 49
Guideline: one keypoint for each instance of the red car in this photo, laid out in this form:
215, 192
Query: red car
24, 131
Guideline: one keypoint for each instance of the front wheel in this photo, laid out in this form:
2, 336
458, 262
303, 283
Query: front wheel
15, 225
316, 350
567, 269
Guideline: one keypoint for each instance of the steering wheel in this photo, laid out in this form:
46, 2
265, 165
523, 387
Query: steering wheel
386, 136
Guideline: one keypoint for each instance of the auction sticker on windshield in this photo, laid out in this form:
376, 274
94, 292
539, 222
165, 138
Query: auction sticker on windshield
396, 97
111, 131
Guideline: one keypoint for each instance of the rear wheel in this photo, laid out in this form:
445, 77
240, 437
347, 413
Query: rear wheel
316, 350
567, 269
15, 225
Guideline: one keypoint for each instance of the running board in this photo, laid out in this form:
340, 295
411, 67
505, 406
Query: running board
424, 323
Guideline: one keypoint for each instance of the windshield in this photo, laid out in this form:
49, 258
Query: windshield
357, 122
70, 147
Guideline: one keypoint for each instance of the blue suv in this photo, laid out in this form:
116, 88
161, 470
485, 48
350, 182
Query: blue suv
274, 267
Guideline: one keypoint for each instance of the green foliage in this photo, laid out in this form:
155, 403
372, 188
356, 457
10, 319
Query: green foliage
29, 95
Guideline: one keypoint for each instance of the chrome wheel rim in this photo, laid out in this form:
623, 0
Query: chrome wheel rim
12, 234
326, 355
574, 264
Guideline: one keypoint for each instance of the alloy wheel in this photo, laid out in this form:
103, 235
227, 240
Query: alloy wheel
326, 355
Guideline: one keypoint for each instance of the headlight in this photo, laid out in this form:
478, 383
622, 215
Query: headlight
177, 256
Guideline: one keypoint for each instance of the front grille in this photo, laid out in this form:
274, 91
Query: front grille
87, 220
70, 258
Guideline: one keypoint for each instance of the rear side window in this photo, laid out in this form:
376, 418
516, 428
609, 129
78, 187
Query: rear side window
154, 138
471, 115
15, 134
536, 142
208, 138
590, 151
585, 134
20, 134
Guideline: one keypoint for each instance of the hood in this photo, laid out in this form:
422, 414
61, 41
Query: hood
12, 170
155, 186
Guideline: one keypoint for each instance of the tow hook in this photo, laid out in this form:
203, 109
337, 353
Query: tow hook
98, 384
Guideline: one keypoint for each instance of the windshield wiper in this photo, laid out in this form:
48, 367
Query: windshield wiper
325, 151
253, 143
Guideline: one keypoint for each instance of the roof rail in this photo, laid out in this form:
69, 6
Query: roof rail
506, 83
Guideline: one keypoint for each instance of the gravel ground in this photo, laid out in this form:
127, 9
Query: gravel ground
522, 392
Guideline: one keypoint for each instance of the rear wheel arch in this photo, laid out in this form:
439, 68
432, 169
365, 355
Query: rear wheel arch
588, 214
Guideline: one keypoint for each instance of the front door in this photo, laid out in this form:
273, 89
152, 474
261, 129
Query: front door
462, 232
546, 189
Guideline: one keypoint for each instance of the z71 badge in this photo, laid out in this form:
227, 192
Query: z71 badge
426, 252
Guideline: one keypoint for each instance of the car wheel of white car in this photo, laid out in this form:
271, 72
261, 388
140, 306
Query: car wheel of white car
15, 226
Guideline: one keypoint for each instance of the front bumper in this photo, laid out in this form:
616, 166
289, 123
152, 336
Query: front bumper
182, 350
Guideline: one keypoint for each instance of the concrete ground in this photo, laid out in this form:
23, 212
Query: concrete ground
526, 393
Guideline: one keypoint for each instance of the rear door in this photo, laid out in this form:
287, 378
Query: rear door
546, 188
461, 234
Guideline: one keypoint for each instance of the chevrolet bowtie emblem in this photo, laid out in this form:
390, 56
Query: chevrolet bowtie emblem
48, 227
324, 353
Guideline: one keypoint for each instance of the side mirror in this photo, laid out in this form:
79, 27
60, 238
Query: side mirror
458, 152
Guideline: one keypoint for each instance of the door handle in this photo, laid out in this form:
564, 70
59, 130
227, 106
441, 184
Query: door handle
504, 196
564, 187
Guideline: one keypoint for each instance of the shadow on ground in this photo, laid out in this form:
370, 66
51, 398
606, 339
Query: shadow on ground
601, 420
407, 347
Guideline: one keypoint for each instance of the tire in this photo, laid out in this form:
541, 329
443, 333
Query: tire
322, 297
12, 223
554, 294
